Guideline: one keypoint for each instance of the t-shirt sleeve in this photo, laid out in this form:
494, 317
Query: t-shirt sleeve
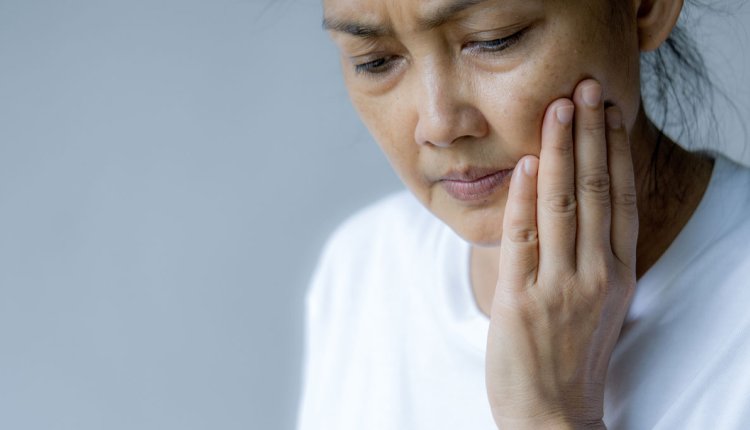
323, 308
340, 292
312, 358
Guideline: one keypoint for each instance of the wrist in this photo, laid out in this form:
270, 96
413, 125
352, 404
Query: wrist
550, 424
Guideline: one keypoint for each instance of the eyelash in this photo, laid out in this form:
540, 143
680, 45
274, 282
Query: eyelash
374, 67
384, 64
497, 45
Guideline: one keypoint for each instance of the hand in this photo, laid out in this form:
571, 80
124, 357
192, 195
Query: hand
567, 269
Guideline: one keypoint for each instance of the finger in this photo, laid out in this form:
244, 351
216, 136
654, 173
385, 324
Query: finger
624, 229
557, 192
592, 174
519, 247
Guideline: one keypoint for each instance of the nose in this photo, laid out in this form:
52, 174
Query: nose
446, 111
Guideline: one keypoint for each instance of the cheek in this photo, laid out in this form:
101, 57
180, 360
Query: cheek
515, 105
391, 124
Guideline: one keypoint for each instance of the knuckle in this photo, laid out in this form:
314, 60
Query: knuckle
563, 203
599, 277
522, 234
625, 199
562, 146
595, 183
522, 305
603, 275
593, 127
554, 304
619, 144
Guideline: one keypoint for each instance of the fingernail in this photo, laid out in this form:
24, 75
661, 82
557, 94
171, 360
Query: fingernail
565, 114
530, 166
592, 95
614, 118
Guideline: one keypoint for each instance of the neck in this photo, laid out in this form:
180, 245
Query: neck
670, 184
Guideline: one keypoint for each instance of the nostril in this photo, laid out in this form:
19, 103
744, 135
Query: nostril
447, 117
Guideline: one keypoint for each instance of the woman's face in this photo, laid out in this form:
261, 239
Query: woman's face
454, 90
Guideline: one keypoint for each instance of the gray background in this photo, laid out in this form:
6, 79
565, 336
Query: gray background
169, 170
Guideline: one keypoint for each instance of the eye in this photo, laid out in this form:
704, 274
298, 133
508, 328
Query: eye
378, 66
495, 45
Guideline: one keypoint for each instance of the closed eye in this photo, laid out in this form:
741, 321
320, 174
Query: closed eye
383, 65
495, 45
376, 66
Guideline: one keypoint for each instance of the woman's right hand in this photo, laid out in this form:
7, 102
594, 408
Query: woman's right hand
567, 269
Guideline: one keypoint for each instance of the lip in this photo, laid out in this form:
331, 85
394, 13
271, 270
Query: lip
475, 183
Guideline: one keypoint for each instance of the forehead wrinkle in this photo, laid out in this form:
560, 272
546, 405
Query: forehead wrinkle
429, 20
445, 13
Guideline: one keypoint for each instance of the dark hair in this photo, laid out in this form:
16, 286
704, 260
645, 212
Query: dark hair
678, 92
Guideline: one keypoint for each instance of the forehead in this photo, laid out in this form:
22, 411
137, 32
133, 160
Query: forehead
415, 14
386, 6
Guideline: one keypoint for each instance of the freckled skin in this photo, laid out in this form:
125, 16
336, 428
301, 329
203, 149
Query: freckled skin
442, 101
444, 107
489, 110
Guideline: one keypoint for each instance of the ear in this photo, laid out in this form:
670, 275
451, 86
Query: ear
656, 19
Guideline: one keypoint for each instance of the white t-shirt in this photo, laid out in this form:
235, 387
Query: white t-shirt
395, 340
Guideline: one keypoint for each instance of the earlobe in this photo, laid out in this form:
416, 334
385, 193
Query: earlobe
656, 19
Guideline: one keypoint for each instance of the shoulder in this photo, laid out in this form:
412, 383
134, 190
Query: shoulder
729, 215
730, 184
731, 175
374, 247
396, 221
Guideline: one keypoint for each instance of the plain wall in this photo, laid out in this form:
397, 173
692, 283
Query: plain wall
169, 170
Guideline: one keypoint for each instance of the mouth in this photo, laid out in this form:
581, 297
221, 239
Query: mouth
475, 183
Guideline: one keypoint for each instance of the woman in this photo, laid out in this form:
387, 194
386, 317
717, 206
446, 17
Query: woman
557, 263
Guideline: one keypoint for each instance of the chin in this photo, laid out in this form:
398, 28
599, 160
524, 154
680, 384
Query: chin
480, 225
482, 239
479, 229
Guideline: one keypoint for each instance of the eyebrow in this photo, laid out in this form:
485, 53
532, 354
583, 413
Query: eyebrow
440, 16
